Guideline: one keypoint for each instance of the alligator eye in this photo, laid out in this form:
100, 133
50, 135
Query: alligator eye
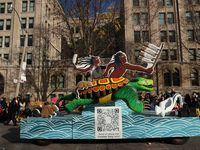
147, 81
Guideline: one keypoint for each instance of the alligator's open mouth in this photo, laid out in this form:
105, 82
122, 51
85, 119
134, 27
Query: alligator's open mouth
148, 86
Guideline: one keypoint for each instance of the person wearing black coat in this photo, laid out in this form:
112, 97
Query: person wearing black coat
12, 109
4, 115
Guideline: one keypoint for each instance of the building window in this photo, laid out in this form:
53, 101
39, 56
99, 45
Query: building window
29, 58
169, 3
197, 16
7, 41
189, 17
2, 8
52, 96
162, 18
192, 54
77, 29
165, 55
53, 81
8, 24
197, 35
135, 2
170, 18
24, 6
8, 6
173, 54
61, 82
60, 95
167, 79
145, 36
143, 3
49, 13
6, 56
1, 41
20, 57
187, 2
171, 36
194, 79
137, 37
190, 35
163, 35
31, 22
30, 40
136, 18
23, 23
22, 39
195, 2
1, 24
161, 2
32, 6
176, 79
144, 18
199, 54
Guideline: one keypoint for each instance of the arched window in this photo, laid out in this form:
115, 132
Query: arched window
53, 81
176, 78
57, 81
61, 82
167, 78
194, 78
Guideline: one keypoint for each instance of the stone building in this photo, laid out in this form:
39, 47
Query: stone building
177, 24
34, 20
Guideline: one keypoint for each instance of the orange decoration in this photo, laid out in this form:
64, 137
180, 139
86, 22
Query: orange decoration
102, 88
114, 86
96, 89
89, 90
120, 84
108, 86
84, 91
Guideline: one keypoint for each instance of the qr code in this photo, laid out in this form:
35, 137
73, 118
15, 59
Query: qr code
108, 119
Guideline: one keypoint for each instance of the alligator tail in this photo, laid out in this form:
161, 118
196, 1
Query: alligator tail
67, 97
129, 95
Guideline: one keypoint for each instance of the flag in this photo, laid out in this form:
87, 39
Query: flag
23, 75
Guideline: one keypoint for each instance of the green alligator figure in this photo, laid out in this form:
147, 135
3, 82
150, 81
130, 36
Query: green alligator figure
113, 89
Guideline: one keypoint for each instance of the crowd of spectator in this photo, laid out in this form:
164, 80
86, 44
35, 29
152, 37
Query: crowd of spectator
188, 101
17, 107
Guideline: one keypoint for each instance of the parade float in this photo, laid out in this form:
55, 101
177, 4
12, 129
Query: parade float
111, 108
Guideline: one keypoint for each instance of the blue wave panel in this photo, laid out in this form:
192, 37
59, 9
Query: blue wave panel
46, 128
84, 127
172, 127
132, 127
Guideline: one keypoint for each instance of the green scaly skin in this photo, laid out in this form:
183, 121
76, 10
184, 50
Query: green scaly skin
128, 94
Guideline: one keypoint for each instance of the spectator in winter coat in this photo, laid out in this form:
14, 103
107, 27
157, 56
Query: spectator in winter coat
12, 109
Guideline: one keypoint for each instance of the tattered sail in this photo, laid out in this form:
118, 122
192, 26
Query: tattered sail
150, 54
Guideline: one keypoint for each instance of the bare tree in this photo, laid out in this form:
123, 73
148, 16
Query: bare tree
43, 67
90, 27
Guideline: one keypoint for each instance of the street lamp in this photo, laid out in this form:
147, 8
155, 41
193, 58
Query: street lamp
24, 32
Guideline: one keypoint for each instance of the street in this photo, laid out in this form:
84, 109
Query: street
10, 140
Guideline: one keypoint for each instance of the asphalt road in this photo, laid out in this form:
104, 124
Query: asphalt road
10, 140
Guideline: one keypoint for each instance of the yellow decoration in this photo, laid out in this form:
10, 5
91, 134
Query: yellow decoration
105, 99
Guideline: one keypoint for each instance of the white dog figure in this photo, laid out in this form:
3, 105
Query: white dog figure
167, 105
